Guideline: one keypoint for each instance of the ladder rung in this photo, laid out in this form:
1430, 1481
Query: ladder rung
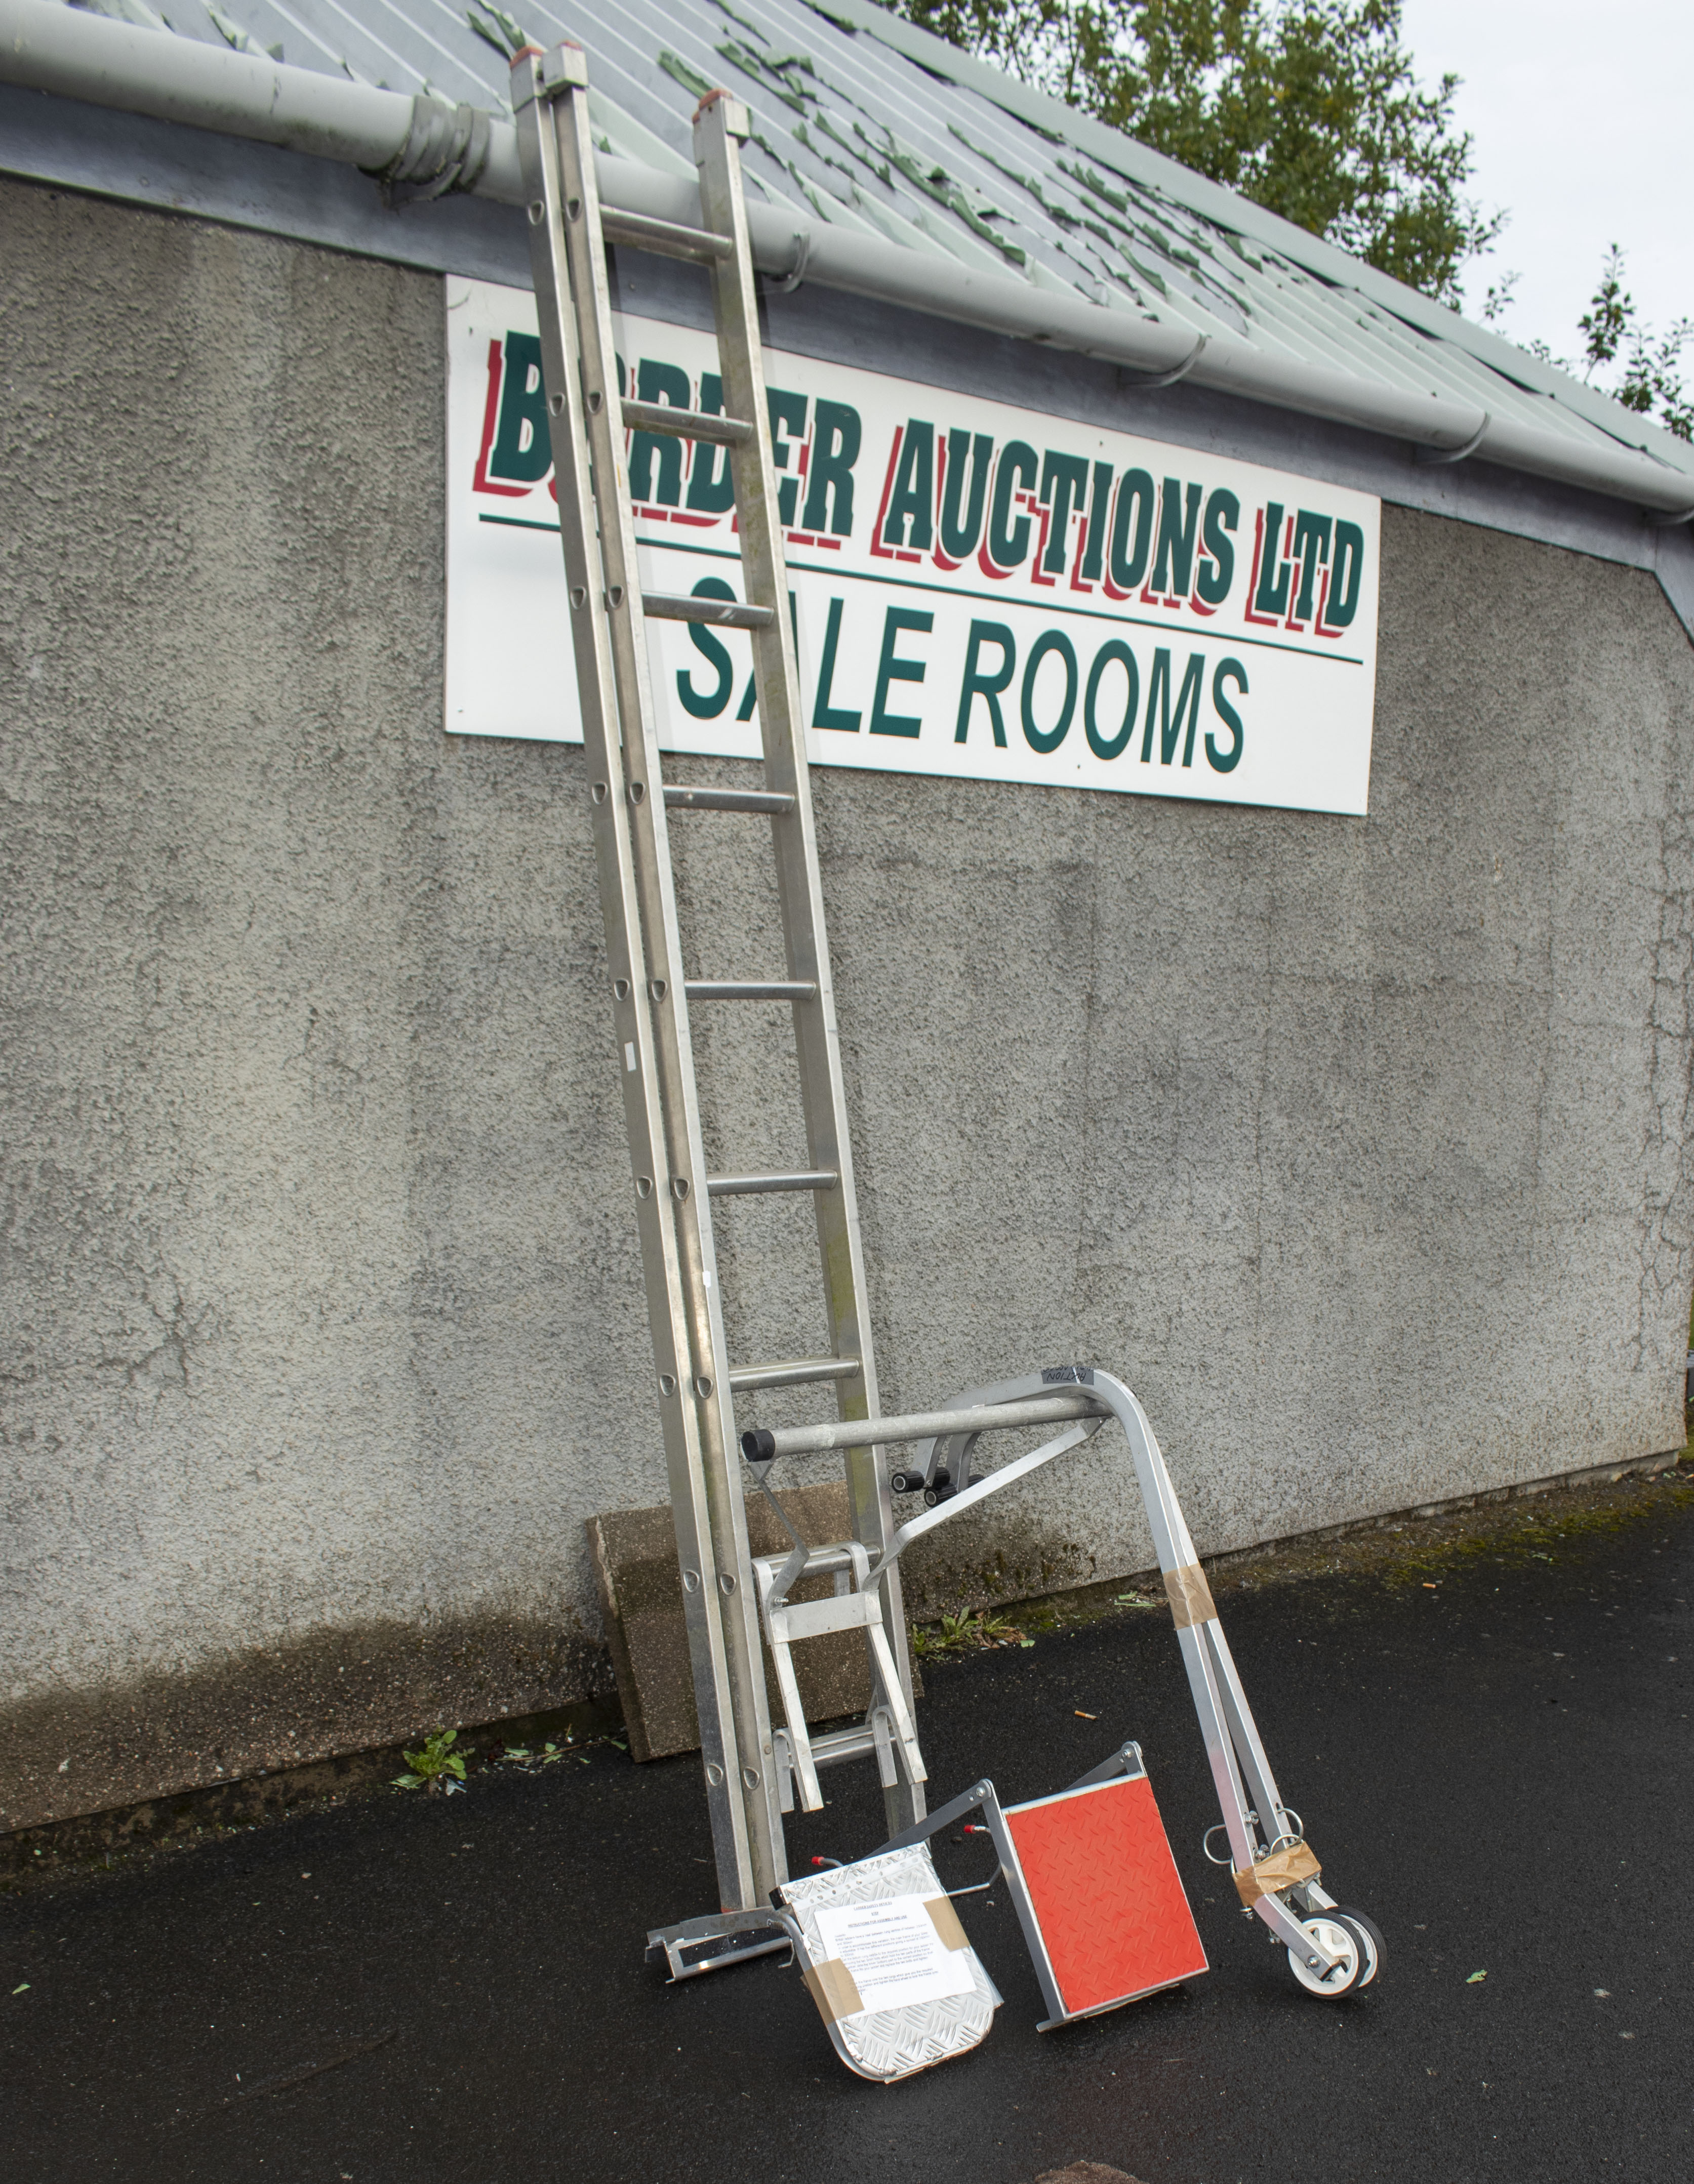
794, 1375
737, 1186
727, 614
838, 1744
726, 800
750, 990
663, 236
687, 424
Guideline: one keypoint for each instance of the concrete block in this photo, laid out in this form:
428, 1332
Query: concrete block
641, 1595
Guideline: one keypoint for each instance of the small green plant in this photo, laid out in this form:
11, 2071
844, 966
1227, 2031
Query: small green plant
951, 1635
432, 1766
966, 1633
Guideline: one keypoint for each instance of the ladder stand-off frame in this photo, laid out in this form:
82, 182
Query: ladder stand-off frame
754, 1767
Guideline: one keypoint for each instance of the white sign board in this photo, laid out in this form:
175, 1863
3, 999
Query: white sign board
978, 590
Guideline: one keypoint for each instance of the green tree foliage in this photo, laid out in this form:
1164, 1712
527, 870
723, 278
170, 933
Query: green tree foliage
1645, 364
1650, 381
1311, 107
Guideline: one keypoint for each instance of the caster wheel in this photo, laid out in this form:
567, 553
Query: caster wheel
1343, 1940
1376, 1949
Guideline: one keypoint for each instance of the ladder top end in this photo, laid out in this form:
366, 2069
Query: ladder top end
524, 75
564, 68
737, 121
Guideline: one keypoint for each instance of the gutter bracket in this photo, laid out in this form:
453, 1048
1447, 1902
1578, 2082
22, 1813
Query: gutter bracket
1434, 455
1659, 519
446, 150
1140, 380
796, 273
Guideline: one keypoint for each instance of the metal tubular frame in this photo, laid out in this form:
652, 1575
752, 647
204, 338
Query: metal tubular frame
1254, 1818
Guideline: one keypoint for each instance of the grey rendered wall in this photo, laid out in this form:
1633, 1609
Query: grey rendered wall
1359, 1146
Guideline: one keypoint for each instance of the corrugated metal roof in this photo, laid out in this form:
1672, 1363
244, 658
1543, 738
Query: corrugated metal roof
880, 130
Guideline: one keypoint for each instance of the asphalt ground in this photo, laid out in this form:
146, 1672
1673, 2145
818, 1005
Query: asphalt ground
1491, 1752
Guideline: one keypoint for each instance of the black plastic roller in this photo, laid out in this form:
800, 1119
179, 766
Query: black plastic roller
759, 1445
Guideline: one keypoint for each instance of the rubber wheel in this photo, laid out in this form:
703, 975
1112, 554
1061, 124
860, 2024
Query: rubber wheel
1342, 1939
1376, 1949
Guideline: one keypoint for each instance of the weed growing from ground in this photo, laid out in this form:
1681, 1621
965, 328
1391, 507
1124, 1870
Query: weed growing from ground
965, 1633
434, 1763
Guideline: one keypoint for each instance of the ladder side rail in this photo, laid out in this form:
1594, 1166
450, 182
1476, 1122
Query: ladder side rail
708, 1389
719, 124
573, 306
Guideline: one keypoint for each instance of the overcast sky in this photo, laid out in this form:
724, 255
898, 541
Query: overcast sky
1580, 117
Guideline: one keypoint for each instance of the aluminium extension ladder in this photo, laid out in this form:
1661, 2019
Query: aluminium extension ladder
754, 1768
652, 996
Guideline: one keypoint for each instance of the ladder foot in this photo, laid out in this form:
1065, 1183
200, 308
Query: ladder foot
708, 1943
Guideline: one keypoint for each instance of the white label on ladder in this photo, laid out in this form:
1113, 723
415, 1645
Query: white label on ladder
894, 1952
629, 1056
979, 591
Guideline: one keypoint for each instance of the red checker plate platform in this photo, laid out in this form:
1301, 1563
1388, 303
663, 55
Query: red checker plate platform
1106, 1892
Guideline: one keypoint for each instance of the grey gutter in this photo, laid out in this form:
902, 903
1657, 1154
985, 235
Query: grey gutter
79, 55
421, 145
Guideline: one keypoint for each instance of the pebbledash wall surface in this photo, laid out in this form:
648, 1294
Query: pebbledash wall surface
1304, 1035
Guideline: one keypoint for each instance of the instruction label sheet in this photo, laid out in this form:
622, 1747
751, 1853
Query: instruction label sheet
895, 1953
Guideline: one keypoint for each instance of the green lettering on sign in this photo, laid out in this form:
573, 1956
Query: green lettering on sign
824, 714
1311, 550
1227, 761
891, 668
1049, 739
521, 450
709, 646
1135, 499
1064, 484
1187, 708
836, 435
972, 458
1008, 542
786, 413
976, 684
1113, 652
711, 483
1173, 562
658, 382
1345, 577
1218, 567
1274, 573
909, 520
